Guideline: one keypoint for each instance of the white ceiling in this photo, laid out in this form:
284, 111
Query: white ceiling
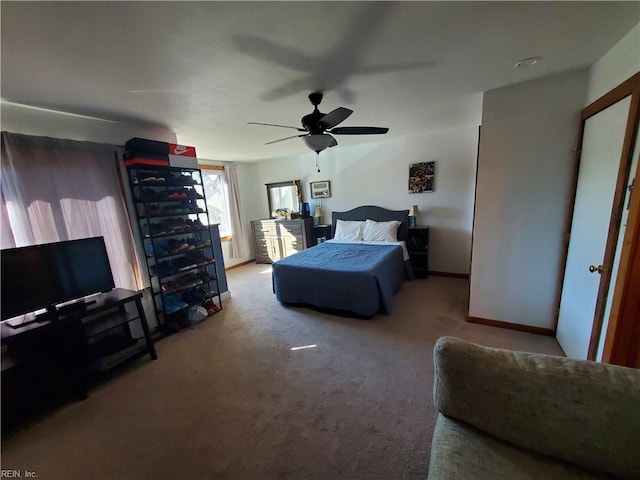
204, 69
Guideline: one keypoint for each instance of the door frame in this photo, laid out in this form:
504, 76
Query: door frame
622, 342
624, 286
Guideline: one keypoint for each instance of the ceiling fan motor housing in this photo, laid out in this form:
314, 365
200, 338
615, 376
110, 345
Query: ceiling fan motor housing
311, 122
315, 98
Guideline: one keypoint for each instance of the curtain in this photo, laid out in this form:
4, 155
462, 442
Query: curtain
55, 190
6, 236
239, 248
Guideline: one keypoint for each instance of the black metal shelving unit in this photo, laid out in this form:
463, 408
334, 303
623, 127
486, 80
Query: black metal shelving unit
172, 214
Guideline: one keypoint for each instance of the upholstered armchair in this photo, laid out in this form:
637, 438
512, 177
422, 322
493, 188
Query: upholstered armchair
514, 415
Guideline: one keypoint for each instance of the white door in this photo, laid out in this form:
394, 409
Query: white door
601, 151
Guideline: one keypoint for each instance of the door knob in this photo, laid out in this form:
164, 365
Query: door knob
593, 269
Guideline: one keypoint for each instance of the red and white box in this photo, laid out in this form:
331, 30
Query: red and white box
142, 151
182, 150
145, 145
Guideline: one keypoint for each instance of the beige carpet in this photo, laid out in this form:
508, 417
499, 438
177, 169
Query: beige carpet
229, 399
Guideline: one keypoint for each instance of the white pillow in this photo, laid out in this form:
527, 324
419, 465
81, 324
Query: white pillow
348, 231
380, 231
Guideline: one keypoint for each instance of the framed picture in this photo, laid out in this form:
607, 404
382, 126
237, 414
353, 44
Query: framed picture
321, 189
422, 177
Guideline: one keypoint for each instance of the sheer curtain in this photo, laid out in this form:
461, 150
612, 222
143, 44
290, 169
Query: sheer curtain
54, 190
239, 248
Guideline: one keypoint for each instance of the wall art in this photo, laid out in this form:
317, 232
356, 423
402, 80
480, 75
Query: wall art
321, 189
422, 177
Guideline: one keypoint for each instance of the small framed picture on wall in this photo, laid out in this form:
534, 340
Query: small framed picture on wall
422, 177
321, 189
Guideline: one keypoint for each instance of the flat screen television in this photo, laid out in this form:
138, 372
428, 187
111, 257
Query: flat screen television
43, 276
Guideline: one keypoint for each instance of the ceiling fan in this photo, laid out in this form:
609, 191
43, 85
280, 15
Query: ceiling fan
319, 127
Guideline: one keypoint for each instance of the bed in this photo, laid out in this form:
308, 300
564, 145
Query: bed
347, 278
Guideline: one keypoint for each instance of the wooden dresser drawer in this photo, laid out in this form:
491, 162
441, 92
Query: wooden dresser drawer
289, 231
263, 228
275, 239
278, 228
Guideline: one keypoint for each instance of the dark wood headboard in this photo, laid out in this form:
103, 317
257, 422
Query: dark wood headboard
377, 214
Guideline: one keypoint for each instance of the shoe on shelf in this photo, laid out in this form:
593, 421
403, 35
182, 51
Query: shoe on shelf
152, 180
192, 297
178, 224
193, 195
153, 210
159, 228
171, 286
195, 242
162, 269
212, 308
173, 303
162, 247
177, 196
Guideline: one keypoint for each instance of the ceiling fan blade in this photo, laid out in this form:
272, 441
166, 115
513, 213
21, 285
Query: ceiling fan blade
274, 125
359, 130
285, 138
334, 117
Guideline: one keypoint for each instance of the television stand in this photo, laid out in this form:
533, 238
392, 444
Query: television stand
81, 304
51, 314
31, 318
81, 340
24, 323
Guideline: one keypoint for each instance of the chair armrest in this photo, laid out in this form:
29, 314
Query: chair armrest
583, 412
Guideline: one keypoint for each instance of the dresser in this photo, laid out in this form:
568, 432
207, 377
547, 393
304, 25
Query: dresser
276, 239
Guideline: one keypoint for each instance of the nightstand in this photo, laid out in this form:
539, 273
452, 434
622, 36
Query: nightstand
321, 231
418, 248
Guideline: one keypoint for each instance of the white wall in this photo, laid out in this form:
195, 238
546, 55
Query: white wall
377, 174
524, 178
617, 65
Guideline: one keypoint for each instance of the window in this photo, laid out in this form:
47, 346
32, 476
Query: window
217, 194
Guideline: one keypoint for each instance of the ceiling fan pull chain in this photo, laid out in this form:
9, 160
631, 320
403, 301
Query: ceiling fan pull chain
317, 158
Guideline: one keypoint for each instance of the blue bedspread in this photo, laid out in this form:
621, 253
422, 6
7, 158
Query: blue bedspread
357, 278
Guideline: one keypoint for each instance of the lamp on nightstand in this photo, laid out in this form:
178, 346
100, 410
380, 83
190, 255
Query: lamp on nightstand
317, 217
413, 215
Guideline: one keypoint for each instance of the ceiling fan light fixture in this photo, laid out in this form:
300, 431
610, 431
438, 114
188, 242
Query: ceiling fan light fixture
318, 142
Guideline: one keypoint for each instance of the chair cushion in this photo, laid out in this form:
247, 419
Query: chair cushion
460, 451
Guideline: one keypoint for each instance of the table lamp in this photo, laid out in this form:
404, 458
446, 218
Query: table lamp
413, 214
317, 217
